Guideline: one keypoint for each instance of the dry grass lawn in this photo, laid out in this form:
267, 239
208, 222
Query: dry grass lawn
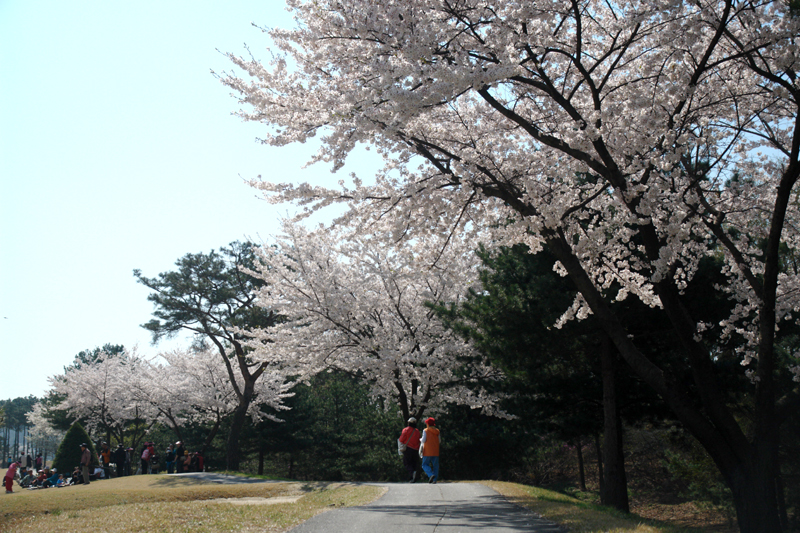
577, 516
172, 504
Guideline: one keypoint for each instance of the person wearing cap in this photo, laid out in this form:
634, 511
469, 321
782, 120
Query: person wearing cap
52, 480
180, 451
119, 456
430, 450
408, 444
86, 459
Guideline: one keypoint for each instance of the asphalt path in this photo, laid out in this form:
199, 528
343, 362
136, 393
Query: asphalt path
421, 508
225, 479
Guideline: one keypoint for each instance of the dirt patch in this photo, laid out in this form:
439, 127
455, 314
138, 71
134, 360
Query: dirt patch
686, 514
257, 501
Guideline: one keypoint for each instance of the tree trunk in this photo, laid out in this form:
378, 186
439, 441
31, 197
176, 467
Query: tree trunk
599, 452
748, 467
237, 423
260, 461
581, 471
615, 489
210, 437
754, 495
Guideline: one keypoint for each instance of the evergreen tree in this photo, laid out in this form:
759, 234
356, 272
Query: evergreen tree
211, 297
68, 455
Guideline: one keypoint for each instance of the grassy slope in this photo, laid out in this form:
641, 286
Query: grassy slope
170, 504
578, 516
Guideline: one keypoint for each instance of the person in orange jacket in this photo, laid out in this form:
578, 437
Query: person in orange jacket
430, 450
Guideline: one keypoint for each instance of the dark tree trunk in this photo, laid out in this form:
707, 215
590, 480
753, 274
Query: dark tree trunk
784, 513
260, 461
748, 467
754, 495
615, 489
237, 423
599, 452
581, 471
210, 436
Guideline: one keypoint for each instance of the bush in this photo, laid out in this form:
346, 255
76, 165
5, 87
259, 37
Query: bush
68, 455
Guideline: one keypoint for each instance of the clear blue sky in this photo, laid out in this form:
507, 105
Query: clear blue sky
118, 150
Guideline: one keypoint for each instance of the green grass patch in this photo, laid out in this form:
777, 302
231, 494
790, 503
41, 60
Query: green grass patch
175, 504
578, 516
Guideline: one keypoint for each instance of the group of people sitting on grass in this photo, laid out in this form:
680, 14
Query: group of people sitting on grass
30, 478
123, 460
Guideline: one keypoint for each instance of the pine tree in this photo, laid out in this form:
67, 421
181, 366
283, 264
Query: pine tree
68, 455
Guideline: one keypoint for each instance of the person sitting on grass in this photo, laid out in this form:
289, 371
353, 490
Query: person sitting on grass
61, 481
77, 477
52, 480
28, 480
41, 477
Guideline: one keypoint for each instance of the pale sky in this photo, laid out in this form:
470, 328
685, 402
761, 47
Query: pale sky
118, 151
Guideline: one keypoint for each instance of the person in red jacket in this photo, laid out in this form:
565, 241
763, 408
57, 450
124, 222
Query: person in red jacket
9, 479
410, 438
430, 450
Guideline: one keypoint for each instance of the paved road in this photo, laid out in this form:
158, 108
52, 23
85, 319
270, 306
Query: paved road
423, 508
225, 479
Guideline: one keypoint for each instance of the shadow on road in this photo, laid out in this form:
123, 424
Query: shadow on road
489, 512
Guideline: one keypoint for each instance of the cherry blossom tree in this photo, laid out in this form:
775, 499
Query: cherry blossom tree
359, 306
124, 394
43, 435
99, 393
632, 139
194, 385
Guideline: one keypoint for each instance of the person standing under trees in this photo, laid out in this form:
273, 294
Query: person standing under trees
169, 458
119, 457
430, 450
105, 459
409, 439
129, 458
146, 458
180, 451
86, 459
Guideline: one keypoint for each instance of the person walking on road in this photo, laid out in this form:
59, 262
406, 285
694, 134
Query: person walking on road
86, 459
409, 444
430, 450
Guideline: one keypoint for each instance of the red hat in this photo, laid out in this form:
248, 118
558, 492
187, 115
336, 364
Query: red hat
430, 421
